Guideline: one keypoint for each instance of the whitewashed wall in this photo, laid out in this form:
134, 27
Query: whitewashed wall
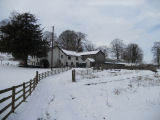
57, 59
56, 52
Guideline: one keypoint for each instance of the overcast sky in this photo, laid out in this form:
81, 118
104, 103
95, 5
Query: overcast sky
136, 21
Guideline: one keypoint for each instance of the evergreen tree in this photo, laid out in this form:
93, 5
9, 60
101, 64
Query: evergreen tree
22, 37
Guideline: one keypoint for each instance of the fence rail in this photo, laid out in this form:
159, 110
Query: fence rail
21, 92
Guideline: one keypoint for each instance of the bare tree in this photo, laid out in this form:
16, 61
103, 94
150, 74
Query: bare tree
48, 36
117, 46
133, 53
88, 46
81, 38
3, 23
67, 40
72, 40
156, 52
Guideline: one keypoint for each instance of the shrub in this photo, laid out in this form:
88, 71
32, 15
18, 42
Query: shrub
44, 63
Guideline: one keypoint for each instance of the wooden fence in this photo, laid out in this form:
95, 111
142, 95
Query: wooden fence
83, 73
21, 92
87, 71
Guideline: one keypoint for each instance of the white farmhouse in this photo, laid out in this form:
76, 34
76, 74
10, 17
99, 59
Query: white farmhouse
62, 58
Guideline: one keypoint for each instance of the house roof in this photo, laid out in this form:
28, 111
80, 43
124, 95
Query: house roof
73, 53
89, 53
90, 59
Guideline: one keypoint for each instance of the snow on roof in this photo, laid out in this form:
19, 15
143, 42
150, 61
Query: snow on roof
90, 59
89, 53
73, 53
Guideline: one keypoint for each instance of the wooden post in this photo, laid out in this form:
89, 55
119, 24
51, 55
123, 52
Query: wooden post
30, 87
42, 76
13, 98
34, 84
45, 74
73, 75
37, 77
24, 97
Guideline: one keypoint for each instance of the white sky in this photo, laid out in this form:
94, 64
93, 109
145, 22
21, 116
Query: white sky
136, 21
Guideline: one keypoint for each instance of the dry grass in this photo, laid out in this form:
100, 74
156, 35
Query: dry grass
117, 91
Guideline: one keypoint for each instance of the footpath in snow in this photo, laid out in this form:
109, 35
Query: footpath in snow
106, 95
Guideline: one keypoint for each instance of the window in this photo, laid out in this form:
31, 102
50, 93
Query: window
61, 56
71, 63
76, 58
69, 57
66, 63
77, 64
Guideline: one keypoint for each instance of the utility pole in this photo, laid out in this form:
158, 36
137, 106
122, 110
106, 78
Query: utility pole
52, 48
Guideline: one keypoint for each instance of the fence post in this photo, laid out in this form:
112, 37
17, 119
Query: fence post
13, 98
37, 77
73, 75
34, 84
42, 76
30, 87
45, 74
24, 98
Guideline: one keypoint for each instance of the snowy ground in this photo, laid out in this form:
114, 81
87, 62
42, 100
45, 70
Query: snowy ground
106, 95
12, 75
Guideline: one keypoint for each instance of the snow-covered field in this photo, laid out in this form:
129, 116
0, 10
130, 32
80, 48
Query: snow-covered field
106, 95
13, 75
